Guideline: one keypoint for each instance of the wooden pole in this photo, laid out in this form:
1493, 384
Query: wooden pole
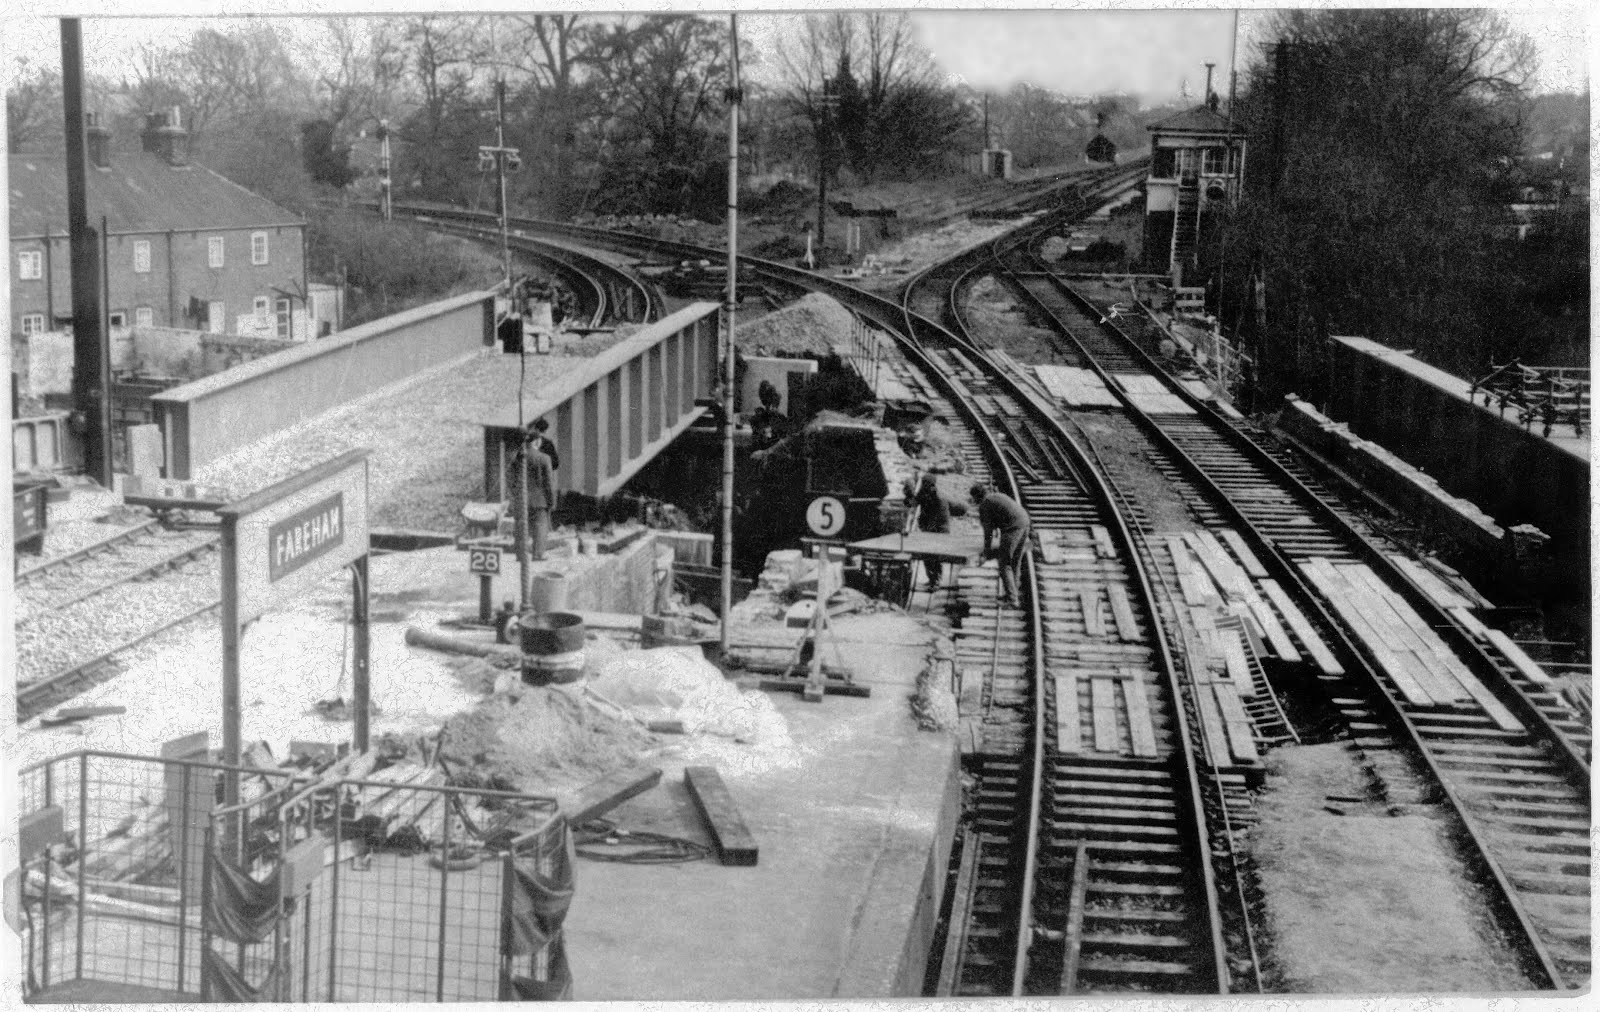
730, 311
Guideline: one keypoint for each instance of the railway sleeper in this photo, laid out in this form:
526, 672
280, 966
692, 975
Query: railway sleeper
1119, 970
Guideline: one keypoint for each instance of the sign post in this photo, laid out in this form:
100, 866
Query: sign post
278, 544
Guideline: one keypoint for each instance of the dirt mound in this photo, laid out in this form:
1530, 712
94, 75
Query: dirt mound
811, 326
546, 739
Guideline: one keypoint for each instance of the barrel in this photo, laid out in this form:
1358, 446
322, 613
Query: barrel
547, 593
552, 648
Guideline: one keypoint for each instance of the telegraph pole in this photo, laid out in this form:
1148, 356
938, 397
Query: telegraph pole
384, 179
91, 353
734, 96
824, 148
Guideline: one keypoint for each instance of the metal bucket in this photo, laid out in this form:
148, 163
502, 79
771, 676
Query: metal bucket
552, 648
547, 593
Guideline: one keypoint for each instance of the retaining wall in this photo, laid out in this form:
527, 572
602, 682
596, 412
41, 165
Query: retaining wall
1424, 416
209, 418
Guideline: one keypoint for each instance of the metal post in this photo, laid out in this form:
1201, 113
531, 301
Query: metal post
500, 166
731, 311
444, 892
507, 869
183, 874
231, 634
91, 379
333, 903
83, 849
44, 971
519, 528
361, 643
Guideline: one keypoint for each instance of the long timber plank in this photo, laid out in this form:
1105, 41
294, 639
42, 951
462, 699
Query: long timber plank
1320, 654
1140, 727
1252, 565
1069, 730
1122, 612
1103, 697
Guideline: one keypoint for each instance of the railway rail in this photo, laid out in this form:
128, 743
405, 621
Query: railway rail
1520, 795
1507, 755
77, 613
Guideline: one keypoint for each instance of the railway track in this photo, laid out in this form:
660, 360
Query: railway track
1520, 795
1509, 758
77, 614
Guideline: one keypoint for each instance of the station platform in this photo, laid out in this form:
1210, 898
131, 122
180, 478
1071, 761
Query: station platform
853, 824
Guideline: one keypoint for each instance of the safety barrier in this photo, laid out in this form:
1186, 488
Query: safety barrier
338, 889
213, 416
111, 846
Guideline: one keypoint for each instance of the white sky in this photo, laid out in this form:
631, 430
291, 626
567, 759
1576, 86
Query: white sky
1084, 50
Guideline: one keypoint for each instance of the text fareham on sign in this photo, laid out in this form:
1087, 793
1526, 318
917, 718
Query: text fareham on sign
309, 534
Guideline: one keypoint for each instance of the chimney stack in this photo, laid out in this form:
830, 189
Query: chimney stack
99, 141
165, 137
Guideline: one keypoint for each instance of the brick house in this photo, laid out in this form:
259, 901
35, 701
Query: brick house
184, 247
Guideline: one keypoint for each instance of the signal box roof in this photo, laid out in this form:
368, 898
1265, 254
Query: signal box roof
1199, 120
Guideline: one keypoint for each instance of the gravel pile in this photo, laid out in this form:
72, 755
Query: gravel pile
426, 439
811, 326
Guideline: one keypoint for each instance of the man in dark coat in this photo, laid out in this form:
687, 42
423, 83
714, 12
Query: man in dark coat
1003, 515
541, 495
933, 515
544, 444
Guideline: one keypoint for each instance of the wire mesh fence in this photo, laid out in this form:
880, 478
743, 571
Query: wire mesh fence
401, 889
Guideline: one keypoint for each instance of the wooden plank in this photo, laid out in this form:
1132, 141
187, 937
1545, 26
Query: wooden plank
1216, 731
1493, 707
1094, 624
607, 793
1517, 656
1140, 727
1229, 574
1247, 558
735, 845
1434, 668
1320, 654
1470, 623
1069, 728
1179, 553
1192, 587
1122, 611
1276, 635
1387, 658
1238, 665
1102, 542
1431, 585
1103, 696
1236, 725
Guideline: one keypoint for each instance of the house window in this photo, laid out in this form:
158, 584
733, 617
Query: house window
217, 317
284, 325
30, 265
214, 248
144, 316
258, 248
33, 323
1216, 161
119, 318
262, 307
141, 256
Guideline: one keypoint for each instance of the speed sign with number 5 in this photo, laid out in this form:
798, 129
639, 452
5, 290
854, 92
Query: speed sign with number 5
825, 516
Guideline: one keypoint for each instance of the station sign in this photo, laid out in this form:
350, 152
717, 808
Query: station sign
291, 536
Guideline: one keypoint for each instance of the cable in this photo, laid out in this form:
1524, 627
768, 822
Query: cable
601, 840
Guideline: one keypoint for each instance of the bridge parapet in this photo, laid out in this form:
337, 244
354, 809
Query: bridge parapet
611, 415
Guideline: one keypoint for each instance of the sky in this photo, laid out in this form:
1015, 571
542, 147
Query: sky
1147, 52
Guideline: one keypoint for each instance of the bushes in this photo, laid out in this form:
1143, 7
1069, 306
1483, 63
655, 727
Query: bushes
391, 266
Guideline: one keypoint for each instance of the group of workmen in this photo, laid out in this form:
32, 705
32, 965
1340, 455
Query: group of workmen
1005, 523
1001, 517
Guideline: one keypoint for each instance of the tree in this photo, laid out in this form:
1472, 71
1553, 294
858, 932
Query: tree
444, 59
33, 109
1379, 139
325, 162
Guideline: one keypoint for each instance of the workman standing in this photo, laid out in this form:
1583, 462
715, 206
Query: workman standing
545, 444
541, 494
933, 515
1003, 514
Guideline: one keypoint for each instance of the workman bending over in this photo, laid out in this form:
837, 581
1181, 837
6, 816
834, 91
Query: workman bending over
541, 492
997, 512
933, 515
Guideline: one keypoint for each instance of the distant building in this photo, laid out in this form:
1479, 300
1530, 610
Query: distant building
184, 247
1196, 163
